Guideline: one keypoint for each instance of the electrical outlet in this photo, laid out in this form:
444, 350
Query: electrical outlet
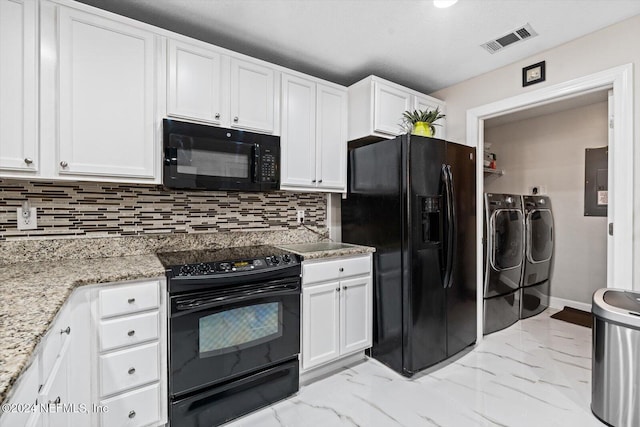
27, 218
300, 216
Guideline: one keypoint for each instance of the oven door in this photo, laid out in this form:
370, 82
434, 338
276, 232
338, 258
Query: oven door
201, 162
223, 333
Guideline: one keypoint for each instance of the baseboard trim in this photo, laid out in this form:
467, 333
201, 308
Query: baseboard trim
323, 371
560, 303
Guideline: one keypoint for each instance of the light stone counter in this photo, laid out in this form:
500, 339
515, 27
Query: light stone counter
32, 293
320, 250
37, 277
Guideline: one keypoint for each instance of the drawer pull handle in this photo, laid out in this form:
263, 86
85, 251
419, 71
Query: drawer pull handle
132, 414
341, 269
131, 300
131, 333
66, 331
132, 371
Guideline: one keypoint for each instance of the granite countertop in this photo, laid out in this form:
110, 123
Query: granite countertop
34, 289
33, 292
319, 250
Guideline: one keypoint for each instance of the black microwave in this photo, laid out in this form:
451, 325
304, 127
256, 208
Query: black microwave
202, 157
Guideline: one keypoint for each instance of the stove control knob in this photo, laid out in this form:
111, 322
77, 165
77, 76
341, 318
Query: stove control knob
203, 268
275, 259
509, 200
186, 270
224, 266
286, 258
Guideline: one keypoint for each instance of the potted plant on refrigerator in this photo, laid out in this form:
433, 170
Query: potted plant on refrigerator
422, 122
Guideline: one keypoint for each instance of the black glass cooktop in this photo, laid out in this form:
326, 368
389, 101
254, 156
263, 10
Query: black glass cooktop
225, 260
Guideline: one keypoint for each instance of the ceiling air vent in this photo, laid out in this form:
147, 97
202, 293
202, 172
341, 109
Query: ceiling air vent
515, 36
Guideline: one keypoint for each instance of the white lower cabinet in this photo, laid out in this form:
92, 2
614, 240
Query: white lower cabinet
336, 309
101, 363
130, 347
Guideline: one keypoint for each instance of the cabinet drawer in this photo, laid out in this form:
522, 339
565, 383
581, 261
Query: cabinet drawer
335, 269
137, 408
129, 299
128, 330
128, 368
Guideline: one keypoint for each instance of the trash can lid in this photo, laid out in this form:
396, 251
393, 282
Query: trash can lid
617, 305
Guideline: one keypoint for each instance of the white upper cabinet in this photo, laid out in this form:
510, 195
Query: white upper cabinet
331, 138
195, 89
253, 96
107, 85
18, 87
298, 152
314, 145
376, 107
388, 101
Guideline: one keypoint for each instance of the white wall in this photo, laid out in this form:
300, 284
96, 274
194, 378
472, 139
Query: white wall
610, 47
548, 151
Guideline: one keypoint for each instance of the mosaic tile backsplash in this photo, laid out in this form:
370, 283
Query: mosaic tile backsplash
87, 209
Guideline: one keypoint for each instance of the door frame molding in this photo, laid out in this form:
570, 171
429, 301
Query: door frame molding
620, 80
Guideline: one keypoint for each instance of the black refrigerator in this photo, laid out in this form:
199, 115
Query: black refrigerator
414, 200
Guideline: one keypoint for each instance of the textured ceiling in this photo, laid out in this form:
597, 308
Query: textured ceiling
407, 41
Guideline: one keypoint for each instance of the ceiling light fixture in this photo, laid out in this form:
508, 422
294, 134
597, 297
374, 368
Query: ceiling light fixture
444, 3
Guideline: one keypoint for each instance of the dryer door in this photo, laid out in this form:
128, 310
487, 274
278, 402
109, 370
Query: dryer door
540, 236
507, 226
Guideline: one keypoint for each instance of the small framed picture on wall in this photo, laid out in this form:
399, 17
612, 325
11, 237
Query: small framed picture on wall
533, 74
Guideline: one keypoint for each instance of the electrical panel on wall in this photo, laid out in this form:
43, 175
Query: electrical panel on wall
596, 182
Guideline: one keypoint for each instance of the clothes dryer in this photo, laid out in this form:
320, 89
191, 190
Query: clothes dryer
503, 260
538, 255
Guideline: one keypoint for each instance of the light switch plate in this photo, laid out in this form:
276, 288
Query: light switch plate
27, 221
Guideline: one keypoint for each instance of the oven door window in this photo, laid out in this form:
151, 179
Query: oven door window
239, 328
212, 158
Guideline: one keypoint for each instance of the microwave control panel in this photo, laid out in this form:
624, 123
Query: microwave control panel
269, 168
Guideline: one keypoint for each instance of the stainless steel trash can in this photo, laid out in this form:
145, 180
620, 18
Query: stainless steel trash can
615, 375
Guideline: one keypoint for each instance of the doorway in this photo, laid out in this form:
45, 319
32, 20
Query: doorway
620, 208
541, 151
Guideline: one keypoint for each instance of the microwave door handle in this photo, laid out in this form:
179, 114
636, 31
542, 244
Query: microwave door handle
256, 161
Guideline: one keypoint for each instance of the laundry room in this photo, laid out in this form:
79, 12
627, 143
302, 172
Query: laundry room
546, 151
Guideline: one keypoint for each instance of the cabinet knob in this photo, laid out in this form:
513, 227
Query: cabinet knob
131, 300
66, 331
131, 333
314, 181
341, 269
235, 119
319, 181
344, 288
337, 289
132, 414
217, 116
56, 401
132, 371
64, 164
28, 160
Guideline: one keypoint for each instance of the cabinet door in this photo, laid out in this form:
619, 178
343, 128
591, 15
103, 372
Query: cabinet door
389, 104
424, 103
55, 391
253, 96
298, 132
320, 324
25, 392
355, 332
18, 86
106, 97
194, 83
331, 138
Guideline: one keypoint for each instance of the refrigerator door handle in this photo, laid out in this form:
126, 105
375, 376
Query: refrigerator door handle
453, 221
446, 178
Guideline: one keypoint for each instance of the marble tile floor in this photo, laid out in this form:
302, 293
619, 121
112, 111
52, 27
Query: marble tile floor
534, 373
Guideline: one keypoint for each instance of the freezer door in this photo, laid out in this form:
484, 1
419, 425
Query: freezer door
424, 293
